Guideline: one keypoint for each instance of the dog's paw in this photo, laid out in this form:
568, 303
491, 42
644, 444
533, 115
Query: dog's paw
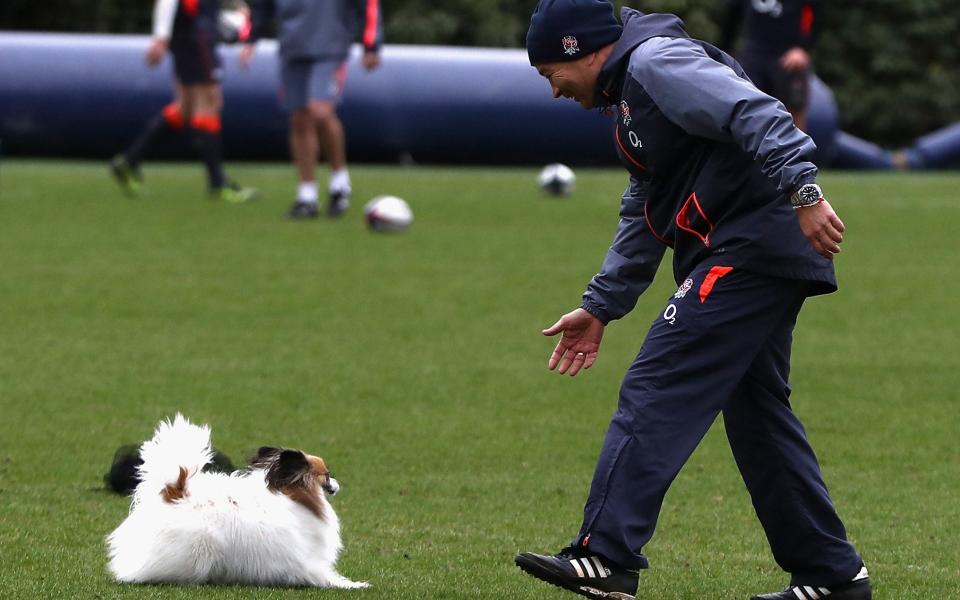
339, 581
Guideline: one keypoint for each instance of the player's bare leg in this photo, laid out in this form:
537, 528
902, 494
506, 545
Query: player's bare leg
333, 142
304, 147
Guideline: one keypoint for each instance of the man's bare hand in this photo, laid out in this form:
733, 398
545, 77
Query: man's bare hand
246, 55
156, 51
795, 59
579, 344
371, 60
823, 228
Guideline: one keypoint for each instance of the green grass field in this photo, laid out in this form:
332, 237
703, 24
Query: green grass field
414, 364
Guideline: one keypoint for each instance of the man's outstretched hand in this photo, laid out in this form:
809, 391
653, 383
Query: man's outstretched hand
578, 347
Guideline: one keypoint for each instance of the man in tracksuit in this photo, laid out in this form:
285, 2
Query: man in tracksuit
719, 173
315, 38
778, 36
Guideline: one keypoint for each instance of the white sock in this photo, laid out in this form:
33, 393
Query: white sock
307, 192
340, 181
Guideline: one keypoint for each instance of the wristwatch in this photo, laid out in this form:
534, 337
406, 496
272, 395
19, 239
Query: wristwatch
807, 194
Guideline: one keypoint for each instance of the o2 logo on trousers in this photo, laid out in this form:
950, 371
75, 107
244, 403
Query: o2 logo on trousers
670, 314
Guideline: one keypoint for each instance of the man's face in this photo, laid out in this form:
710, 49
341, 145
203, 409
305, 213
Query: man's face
574, 79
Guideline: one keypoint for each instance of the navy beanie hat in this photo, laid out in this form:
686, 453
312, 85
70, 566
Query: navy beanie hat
562, 30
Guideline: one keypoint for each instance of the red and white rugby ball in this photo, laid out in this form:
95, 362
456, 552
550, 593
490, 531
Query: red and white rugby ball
388, 214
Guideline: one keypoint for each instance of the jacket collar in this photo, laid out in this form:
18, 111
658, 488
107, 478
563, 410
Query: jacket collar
637, 28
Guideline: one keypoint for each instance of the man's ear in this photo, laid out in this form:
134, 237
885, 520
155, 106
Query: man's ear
288, 470
600, 55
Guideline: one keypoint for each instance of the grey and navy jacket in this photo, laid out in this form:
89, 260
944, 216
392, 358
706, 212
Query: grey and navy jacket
319, 28
712, 162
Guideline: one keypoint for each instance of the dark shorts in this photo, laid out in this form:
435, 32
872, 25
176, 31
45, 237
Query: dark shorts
312, 79
195, 57
790, 87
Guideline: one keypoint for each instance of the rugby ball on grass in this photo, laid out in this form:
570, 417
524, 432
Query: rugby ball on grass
557, 179
388, 214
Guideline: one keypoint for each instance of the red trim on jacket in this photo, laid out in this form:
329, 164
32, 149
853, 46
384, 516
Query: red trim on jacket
616, 136
683, 219
646, 218
806, 20
370, 30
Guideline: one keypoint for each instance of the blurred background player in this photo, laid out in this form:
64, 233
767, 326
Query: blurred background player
190, 30
315, 40
778, 36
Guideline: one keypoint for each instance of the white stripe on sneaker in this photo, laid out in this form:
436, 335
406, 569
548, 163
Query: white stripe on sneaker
862, 574
576, 567
824, 591
811, 592
588, 567
799, 594
600, 570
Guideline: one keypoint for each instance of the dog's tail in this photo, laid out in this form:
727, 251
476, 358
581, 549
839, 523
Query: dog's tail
178, 450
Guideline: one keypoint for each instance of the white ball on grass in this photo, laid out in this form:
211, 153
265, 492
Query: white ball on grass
388, 214
557, 179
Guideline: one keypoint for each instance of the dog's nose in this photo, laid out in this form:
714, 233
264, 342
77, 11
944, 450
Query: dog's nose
332, 486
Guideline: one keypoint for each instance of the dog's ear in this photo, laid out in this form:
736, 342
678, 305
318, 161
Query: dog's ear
265, 456
288, 470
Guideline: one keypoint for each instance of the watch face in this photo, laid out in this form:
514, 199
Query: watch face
809, 193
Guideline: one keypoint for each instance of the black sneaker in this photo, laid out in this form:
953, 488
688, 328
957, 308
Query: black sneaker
126, 175
339, 203
303, 210
582, 573
857, 589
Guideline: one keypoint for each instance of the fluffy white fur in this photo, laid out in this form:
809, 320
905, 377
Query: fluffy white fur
225, 528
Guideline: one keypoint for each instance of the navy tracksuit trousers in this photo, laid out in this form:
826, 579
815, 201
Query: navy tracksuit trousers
721, 346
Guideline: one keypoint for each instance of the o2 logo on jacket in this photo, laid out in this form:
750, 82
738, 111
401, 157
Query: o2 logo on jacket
670, 314
625, 113
570, 45
768, 7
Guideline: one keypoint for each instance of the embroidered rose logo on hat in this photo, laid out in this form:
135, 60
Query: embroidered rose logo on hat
570, 45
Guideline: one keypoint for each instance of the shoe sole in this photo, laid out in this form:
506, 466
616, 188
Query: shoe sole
856, 593
544, 573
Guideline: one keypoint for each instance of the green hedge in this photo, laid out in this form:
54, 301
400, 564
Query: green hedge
894, 65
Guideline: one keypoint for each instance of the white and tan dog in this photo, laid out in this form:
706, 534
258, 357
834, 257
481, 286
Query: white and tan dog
269, 525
